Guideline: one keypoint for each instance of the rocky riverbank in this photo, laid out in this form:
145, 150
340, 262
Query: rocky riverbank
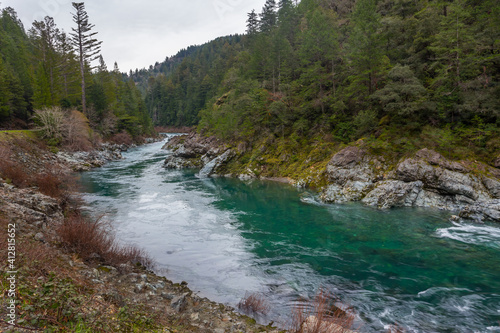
37, 216
424, 179
56, 287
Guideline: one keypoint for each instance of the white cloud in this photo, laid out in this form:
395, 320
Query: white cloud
137, 34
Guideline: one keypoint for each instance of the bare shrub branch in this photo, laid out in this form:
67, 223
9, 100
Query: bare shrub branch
51, 123
253, 303
93, 240
324, 315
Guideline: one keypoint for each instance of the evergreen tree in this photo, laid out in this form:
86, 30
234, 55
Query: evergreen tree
252, 23
68, 69
45, 37
365, 47
86, 46
5, 94
15, 51
268, 17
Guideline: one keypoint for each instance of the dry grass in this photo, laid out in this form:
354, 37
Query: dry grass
324, 315
253, 303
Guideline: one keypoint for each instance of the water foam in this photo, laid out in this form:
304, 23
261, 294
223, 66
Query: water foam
472, 234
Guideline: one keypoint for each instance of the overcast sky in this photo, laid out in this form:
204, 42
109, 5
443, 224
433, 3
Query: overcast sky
137, 33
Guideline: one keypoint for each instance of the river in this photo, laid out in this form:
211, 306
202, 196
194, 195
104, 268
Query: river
226, 237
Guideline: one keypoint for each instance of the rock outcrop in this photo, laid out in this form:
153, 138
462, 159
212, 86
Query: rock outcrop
426, 179
84, 161
195, 151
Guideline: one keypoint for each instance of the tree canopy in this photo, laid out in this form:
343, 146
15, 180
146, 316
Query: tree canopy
45, 67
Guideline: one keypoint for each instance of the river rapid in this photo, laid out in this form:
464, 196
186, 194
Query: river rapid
227, 237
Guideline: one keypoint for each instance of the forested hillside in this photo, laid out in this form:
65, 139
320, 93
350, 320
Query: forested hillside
398, 73
178, 88
39, 68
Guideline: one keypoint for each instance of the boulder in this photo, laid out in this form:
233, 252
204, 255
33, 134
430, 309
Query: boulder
393, 193
426, 179
437, 178
350, 191
175, 162
352, 174
482, 210
211, 167
493, 187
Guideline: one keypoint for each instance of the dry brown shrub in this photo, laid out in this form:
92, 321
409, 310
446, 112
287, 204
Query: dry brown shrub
57, 183
84, 237
324, 315
51, 181
120, 254
11, 170
93, 240
77, 137
253, 303
395, 329
122, 138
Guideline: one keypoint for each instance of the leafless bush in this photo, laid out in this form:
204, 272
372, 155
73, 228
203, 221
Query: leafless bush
70, 128
120, 254
51, 123
54, 181
77, 137
324, 315
11, 170
88, 239
395, 329
93, 240
122, 138
253, 303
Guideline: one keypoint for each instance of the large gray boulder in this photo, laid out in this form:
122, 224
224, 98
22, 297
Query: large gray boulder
352, 174
481, 210
394, 193
426, 179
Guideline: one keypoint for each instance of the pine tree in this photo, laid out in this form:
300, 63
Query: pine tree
268, 17
5, 95
365, 45
87, 47
45, 37
252, 23
15, 52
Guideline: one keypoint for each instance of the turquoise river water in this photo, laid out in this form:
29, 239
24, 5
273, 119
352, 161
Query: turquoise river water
226, 237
